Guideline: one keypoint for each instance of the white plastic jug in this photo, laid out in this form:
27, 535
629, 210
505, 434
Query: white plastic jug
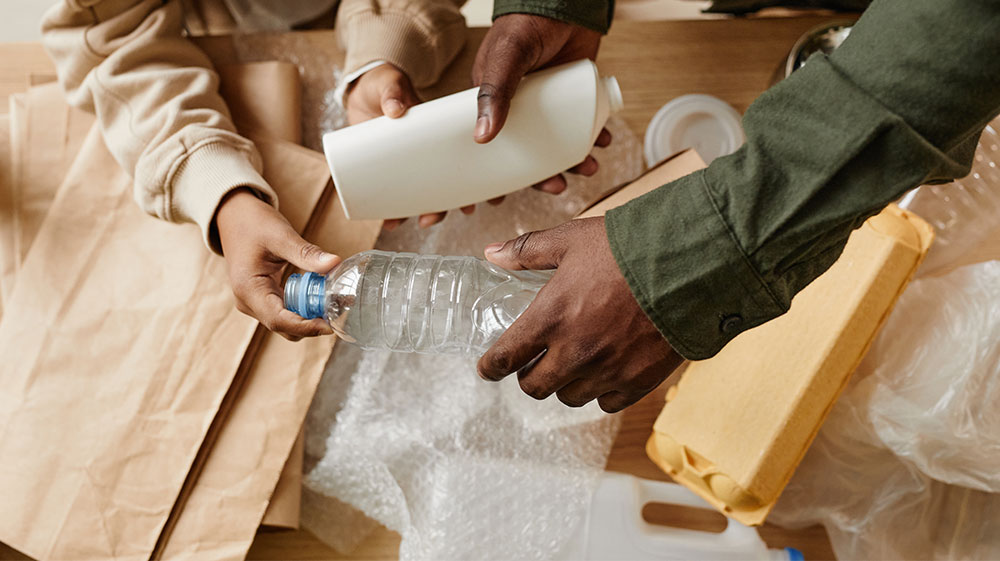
615, 530
427, 160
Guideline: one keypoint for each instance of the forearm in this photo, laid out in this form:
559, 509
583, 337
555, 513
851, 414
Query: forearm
157, 103
899, 104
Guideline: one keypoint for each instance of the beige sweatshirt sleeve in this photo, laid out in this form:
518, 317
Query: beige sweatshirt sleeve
420, 37
156, 98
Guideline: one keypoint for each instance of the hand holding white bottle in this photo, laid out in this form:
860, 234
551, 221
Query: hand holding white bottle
554, 119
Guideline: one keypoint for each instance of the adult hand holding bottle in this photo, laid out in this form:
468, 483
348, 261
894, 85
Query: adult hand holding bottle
593, 339
515, 45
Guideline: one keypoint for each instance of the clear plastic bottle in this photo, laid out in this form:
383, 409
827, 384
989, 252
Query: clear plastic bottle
415, 303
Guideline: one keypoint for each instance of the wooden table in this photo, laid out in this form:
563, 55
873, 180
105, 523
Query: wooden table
654, 62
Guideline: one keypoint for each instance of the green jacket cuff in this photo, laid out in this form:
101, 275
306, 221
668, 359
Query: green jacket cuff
592, 14
698, 286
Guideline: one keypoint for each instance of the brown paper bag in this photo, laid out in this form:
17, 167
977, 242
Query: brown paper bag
6, 211
53, 132
230, 474
282, 382
115, 383
10, 224
267, 97
111, 391
44, 140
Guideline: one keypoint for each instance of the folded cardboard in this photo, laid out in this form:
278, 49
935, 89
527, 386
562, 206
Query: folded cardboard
735, 426
672, 168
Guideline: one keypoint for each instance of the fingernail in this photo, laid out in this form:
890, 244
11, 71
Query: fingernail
482, 126
426, 221
394, 108
494, 247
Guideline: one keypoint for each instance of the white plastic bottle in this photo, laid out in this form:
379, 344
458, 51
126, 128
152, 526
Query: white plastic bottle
614, 528
415, 303
427, 161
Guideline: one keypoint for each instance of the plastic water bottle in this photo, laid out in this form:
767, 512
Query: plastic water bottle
415, 303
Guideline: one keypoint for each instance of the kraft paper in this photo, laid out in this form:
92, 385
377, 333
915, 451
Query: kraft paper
6, 213
135, 314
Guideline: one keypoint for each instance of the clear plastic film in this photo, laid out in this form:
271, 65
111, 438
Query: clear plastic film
965, 213
461, 468
906, 466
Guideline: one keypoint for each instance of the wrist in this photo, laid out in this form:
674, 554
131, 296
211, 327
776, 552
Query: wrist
351, 79
376, 72
234, 205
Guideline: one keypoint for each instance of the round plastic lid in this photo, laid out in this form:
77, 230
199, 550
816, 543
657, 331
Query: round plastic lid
707, 124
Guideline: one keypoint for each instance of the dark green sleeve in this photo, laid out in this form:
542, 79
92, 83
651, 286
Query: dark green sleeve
592, 14
900, 103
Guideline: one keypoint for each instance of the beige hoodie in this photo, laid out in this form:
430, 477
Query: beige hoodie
156, 95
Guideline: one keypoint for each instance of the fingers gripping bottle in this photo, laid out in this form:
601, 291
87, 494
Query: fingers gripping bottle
415, 303
427, 161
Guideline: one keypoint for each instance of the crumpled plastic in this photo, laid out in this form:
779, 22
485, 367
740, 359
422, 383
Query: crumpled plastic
965, 212
907, 465
461, 468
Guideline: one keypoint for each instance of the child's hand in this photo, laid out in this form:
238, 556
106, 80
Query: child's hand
383, 90
386, 90
257, 242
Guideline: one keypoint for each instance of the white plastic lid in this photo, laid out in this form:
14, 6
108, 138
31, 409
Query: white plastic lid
707, 124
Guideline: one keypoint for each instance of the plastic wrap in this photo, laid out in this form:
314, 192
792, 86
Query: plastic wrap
907, 466
461, 468
964, 213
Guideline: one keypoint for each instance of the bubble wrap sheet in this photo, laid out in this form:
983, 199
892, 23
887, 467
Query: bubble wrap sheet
461, 468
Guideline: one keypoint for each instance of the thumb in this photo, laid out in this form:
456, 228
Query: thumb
397, 97
304, 255
534, 250
500, 76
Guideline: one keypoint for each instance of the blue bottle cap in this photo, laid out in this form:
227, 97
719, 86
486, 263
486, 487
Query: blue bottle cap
304, 294
794, 554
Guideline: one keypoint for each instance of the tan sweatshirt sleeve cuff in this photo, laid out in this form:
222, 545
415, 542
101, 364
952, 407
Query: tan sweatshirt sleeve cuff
398, 38
204, 177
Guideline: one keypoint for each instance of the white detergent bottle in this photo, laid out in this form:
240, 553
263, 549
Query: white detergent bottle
614, 528
416, 303
427, 160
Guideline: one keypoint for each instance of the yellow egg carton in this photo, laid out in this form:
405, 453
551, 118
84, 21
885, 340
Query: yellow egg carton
736, 426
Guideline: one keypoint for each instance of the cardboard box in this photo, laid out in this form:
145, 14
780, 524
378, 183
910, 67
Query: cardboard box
672, 168
736, 426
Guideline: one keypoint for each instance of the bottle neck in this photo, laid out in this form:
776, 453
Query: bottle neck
304, 294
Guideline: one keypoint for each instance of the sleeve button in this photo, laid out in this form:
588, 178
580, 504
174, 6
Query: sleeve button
730, 324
